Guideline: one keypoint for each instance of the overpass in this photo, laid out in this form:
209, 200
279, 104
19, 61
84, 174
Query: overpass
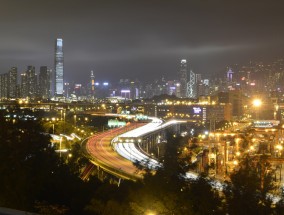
115, 151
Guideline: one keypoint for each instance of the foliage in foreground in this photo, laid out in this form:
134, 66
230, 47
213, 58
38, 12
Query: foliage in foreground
33, 177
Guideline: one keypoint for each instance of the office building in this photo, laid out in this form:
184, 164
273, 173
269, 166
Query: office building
191, 86
59, 68
92, 84
183, 78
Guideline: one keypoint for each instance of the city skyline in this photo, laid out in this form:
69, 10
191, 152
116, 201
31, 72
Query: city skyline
143, 40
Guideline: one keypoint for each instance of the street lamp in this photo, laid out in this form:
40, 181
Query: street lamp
60, 146
256, 103
64, 116
75, 120
53, 122
279, 149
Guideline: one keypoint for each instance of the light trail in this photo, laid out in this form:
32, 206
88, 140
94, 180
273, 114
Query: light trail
128, 149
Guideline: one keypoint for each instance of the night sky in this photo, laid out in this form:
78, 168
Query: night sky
139, 39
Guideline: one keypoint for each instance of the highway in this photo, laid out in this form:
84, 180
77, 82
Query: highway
115, 150
103, 155
124, 145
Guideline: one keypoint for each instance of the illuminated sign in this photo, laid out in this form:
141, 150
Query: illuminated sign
125, 91
197, 110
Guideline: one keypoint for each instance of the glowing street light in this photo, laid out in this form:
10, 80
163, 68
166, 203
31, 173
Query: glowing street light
256, 103
75, 120
150, 213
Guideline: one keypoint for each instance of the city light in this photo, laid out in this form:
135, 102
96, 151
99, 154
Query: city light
256, 102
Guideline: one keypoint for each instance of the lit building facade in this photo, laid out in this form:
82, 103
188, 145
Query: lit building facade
92, 91
44, 82
191, 86
12, 89
8, 84
59, 68
4, 86
183, 78
31, 82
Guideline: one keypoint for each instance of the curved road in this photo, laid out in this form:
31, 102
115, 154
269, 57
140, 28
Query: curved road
117, 156
103, 155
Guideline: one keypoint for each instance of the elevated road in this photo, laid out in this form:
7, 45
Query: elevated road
102, 154
116, 150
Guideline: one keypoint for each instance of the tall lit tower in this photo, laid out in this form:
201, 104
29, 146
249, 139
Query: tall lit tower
230, 75
183, 78
92, 83
59, 68
191, 85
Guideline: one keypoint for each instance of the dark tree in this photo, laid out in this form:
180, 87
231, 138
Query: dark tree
26, 161
33, 177
250, 188
280, 203
204, 196
162, 191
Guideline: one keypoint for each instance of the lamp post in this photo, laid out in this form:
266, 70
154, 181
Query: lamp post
75, 120
256, 103
53, 122
60, 147
64, 115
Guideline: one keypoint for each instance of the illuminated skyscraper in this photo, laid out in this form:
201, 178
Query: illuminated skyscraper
230, 75
92, 83
59, 68
191, 85
182, 75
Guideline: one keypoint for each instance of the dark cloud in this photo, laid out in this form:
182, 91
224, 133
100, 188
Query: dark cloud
143, 39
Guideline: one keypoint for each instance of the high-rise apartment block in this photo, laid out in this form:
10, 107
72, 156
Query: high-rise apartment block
29, 85
23, 87
31, 82
4, 86
44, 82
12, 82
8, 84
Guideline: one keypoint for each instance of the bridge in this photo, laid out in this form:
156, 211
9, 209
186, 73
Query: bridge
115, 151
